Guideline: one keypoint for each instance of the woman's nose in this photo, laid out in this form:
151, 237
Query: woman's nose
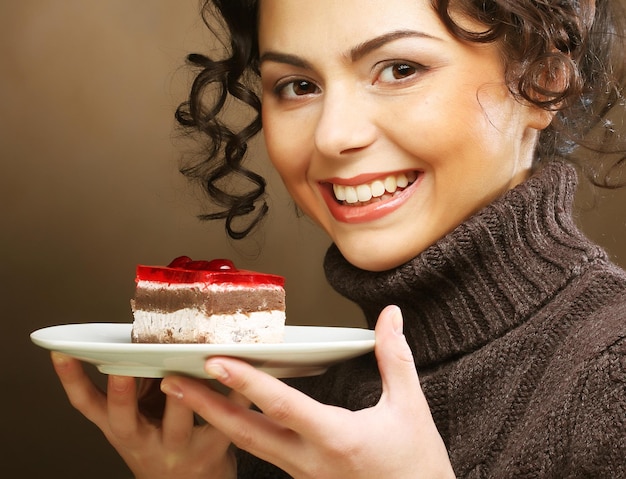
345, 124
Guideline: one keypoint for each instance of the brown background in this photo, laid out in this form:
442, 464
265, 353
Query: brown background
89, 187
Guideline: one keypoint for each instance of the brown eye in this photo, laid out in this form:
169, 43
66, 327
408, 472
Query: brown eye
397, 71
402, 71
303, 87
297, 88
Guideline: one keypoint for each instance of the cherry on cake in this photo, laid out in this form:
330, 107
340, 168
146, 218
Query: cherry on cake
207, 302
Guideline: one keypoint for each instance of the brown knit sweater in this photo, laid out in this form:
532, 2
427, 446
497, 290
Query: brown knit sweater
517, 324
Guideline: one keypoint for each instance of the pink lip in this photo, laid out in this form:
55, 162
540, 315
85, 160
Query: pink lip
371, 212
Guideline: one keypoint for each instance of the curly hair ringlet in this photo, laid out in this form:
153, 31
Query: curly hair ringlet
227, 148
565, 56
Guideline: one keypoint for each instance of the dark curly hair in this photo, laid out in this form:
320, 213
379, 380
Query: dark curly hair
566, 56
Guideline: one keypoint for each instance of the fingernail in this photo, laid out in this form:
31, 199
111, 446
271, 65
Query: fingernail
118, 383
216, 370
59, 359
171, 389
396, 320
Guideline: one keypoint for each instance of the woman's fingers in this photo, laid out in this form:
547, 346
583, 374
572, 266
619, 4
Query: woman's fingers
186, 394
248, 429
285, 405
178, 424
309, 439
402, 393
124, 417
238, 398
165, 444
80, 390
395, 359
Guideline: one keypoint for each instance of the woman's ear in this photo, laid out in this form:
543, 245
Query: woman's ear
540, 118
547, 85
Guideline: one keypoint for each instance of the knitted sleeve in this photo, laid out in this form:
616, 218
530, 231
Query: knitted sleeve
598, 440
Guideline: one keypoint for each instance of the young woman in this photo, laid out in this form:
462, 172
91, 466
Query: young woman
431, 140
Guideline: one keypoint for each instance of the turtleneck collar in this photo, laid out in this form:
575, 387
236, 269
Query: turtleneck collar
489, 275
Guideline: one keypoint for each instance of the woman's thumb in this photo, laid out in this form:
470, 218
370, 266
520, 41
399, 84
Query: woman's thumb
395, 360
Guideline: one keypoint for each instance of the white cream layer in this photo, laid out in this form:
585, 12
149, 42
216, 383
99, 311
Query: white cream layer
191, 325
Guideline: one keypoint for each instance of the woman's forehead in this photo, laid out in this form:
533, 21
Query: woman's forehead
291, 24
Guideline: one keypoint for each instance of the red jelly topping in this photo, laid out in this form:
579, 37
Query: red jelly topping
185, 270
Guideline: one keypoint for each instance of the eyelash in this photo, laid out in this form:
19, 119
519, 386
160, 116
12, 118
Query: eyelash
414, 68
280, 90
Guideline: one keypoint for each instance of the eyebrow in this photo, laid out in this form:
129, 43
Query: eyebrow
369, 46
354, 54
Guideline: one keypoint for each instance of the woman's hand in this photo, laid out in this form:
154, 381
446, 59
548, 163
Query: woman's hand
171, 446
396, 438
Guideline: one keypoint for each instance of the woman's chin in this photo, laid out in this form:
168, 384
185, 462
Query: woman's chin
377, 261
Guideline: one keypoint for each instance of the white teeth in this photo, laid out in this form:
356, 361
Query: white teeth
350, 194
340, 192
390, 184
378, 189
402, 181
364, 193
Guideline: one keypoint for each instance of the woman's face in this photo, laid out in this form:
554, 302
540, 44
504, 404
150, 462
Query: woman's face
386, 130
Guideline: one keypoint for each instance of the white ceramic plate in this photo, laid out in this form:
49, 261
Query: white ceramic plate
306, 351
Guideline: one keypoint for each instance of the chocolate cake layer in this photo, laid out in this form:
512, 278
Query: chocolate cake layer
223, 301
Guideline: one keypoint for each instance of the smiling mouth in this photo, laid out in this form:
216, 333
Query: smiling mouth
375, 191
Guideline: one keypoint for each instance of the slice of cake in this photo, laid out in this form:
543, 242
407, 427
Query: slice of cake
207, 302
